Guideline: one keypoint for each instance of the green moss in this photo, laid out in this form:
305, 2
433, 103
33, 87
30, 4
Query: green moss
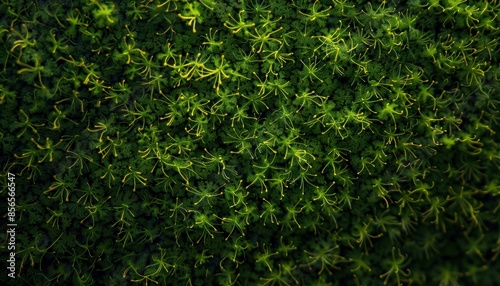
224, 142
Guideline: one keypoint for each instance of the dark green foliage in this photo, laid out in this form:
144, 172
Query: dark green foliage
206, 142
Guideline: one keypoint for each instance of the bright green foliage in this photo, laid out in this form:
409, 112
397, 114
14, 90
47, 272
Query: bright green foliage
217, 142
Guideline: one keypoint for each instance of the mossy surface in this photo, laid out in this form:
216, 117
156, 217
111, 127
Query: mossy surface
206, 142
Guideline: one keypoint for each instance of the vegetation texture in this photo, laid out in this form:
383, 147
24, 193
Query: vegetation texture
207, 142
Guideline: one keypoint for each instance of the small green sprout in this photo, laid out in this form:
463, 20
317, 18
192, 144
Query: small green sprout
435, 212
61, 188
24, 41
238, 25
243, 142
314, 12
49, 148
265, 257
363, 233
180, 145
211, 42
205, 192
140, 113
202, 258
234, 221
27, 124
105, 15
278, 57
182, 166
381, 191
311, 70
136, 177
177, 211
217, 73
324, 197
291, 215
325, 255
346, 198
75, 21
280, 182
263, 37
110, 145
269, 213
129, 50
205, 223
389, 110
60, 44
217, 160
397, 266
79, 159
55, 218
37, 69
235, 194
125, 215
161, 264
308, 99
191, 14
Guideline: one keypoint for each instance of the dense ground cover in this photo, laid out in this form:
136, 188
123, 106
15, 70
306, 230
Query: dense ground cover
247, 142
